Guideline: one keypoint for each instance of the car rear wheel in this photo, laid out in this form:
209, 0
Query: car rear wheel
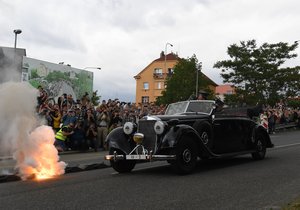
121, 166
186, 156
260, 147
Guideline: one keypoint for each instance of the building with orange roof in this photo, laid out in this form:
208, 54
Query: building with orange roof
223, 90
150, 82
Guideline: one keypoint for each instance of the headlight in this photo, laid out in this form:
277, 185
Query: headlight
128, 128
138, 138
159, 127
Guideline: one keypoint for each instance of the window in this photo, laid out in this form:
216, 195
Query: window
146, 85
170, 71
158, 85
145, 99
158, 71
229, 92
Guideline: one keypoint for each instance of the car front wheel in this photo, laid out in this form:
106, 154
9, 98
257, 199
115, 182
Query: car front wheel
260, 147
121, 166
186, 156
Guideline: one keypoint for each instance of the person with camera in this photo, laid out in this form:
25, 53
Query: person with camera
56, 118
91, 137
78, 138
102, 120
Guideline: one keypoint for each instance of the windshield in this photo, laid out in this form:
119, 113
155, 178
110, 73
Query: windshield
204, 106
176, 108
200, 106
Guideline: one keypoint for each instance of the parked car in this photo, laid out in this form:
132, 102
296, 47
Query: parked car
188, 130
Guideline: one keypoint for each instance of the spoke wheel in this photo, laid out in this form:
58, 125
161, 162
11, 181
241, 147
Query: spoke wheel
186, 156
260, 147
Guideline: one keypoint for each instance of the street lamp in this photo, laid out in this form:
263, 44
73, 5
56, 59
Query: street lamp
92, 68
166, 55
198, 69
17, 31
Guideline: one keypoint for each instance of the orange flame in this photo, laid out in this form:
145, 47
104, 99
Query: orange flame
40, 157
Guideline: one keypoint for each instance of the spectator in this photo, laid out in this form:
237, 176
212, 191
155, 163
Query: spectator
43, 95
69, 118
56, 118
62, 135
78, 138
70, 101
89, 118
63, 101
116, 121
271, 121
103, 121
91, 136
128, 117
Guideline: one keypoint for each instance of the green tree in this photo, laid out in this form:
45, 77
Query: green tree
181, 85
95, 98
258, 73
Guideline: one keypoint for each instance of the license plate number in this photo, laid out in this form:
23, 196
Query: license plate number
136, 157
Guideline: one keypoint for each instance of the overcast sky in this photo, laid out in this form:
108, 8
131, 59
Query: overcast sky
124, 36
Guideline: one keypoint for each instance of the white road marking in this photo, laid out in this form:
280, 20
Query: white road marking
287, 145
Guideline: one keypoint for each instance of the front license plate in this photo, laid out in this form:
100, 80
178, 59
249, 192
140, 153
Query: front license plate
136, 157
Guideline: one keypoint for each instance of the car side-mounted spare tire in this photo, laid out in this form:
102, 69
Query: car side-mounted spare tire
205, 132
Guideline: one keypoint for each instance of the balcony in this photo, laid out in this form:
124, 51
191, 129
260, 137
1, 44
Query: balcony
158, 76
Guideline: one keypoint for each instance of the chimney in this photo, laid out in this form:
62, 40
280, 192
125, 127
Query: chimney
162, 54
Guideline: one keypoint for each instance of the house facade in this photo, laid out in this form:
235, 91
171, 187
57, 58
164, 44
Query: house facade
150, 82
223, 90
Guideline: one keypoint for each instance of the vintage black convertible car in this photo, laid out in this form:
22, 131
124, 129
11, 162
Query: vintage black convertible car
188, 130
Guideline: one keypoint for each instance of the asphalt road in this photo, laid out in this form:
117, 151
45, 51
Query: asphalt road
238, 183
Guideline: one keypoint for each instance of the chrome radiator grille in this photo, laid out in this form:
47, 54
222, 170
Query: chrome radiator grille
146, 127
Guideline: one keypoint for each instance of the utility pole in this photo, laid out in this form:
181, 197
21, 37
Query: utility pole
198, 69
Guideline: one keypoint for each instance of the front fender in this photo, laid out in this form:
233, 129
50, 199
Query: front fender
117, 139
261, 129
175, 134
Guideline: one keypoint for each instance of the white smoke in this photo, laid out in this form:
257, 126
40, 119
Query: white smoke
21, 134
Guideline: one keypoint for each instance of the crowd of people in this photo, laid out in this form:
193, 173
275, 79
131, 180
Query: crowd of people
280, 114
79, 125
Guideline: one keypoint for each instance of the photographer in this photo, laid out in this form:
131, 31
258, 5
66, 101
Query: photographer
91, 137
77, 139
103, 121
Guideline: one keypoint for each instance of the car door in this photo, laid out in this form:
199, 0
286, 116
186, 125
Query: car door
227, 135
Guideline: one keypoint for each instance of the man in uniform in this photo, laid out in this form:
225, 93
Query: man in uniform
62, 135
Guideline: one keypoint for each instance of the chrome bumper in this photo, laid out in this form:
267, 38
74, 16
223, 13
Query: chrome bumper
147, 157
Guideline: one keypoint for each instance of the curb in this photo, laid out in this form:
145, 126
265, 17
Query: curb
74, 169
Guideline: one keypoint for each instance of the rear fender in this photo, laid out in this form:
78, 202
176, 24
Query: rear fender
119, 140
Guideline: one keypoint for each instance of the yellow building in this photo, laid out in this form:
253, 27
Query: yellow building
150, 82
